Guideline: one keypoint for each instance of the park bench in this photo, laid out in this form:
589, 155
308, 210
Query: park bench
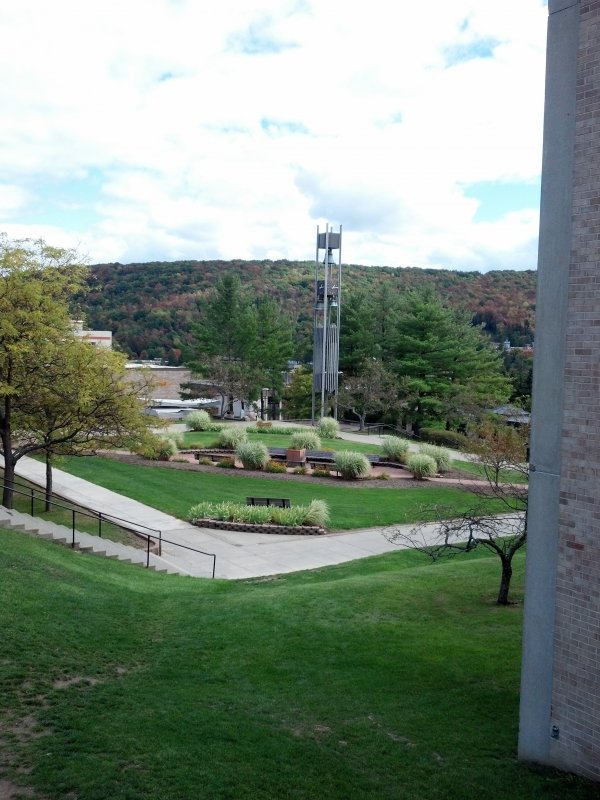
280, 502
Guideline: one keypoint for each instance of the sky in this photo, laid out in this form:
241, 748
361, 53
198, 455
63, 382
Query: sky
159, 130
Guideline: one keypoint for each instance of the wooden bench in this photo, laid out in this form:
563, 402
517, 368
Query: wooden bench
280, 502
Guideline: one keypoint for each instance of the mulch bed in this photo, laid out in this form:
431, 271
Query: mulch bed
451, 478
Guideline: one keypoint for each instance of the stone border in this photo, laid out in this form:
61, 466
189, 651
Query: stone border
248, 527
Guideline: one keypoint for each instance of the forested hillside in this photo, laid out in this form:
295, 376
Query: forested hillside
151, 307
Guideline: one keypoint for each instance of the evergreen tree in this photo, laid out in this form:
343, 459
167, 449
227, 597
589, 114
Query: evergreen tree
447, 363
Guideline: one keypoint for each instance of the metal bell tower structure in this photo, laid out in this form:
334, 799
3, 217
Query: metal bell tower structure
327, 310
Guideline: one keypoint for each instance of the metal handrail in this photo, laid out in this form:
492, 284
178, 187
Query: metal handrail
93, 514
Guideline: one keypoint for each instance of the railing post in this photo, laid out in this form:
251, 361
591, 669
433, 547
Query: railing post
214, 565
73, 528
100, 524
160, 543
32, 501
147, 551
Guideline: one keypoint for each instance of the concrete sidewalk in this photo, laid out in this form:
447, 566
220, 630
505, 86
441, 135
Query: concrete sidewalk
239, 555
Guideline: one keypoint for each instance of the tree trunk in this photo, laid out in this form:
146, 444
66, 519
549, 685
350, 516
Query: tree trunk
48, 505
504, 582
9, 470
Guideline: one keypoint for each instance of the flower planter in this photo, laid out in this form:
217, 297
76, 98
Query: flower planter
296, 458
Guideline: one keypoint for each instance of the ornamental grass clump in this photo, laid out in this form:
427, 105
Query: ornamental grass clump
305, 440
439, 454
231, 436
328, 428
253, 455
395, 449
201, 421
351, 465
316, 514
421, 466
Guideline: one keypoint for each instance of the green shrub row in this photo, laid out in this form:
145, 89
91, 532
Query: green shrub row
316, 513
458, 441
281, 430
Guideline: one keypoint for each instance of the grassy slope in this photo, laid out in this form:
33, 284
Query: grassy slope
385, 678
176, 491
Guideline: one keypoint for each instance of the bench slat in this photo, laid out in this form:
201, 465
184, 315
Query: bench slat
280, 502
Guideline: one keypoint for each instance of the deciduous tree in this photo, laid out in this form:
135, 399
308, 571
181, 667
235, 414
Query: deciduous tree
36, 283
501, 452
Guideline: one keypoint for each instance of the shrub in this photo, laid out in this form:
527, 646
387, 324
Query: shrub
305, 440
157, 448
226, 463
275, 466
395, 449
263, 425
328, 428
440, 455
253, 455
351, 465
321, 473
201, 421
448, 438
230, 436
382, 477
317, 514
421, 466
205, 461
299, 471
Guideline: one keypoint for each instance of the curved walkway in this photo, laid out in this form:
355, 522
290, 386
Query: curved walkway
239, 555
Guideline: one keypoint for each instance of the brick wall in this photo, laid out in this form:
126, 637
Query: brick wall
575, 714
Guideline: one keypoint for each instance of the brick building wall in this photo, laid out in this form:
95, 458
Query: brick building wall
560, 691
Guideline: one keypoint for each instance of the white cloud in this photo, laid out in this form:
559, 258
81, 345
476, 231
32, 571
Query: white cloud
230, 130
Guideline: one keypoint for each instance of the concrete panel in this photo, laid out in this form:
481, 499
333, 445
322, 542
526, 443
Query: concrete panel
555, 239
547, 414
538, 632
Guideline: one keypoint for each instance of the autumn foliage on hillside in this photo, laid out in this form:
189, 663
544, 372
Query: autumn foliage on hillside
151, 308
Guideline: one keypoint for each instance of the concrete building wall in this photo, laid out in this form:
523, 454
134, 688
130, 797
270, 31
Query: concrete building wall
560, 690
167, 380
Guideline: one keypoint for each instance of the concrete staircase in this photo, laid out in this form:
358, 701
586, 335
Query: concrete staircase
84, 542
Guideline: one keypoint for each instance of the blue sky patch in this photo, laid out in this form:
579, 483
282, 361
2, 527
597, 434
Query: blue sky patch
459, 53
497, 199
258, 39
280, 127
68, 204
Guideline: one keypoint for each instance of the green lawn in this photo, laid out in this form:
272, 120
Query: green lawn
175, 492
385, 678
